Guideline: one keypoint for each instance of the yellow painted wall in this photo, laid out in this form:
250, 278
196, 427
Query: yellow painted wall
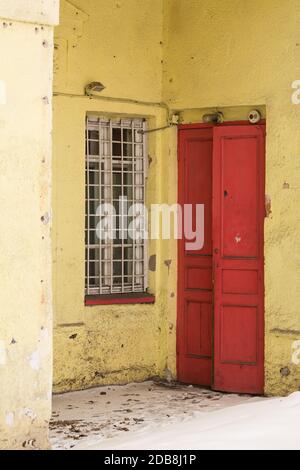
25, 208
237, 55
119, 44
197, 56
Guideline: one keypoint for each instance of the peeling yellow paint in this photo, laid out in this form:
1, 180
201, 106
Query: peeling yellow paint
226, 56
199, 57
114, 344
25, 248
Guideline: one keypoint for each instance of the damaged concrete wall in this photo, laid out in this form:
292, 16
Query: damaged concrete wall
210, 54
26, 51
120, 44
227, 55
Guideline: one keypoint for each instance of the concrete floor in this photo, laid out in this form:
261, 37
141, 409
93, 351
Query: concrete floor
99, 414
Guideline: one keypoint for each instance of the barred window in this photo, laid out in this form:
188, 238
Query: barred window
115, 171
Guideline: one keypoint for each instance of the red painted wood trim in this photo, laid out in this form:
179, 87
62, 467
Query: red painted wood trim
107, 300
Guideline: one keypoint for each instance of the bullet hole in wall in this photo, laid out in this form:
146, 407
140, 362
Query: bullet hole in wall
168, 263
45, 218
268, 208
152, 263
31, 444
99, 374
285, 372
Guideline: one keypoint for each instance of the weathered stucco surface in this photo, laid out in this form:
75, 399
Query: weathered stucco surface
25, 205
196, 56
236, 53
105, 344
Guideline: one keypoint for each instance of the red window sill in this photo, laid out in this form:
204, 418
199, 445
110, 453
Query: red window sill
119, 299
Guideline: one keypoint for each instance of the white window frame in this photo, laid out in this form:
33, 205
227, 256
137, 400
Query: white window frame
114, 267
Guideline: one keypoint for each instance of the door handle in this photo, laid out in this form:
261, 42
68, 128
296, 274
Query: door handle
216, 251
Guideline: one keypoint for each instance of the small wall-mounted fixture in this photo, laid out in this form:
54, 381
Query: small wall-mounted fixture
94, 87
254, 116
174, 119
214, 118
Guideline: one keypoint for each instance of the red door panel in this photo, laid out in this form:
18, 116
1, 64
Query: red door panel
194, 325
238, 262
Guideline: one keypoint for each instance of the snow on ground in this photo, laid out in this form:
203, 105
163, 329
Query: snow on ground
158, 415
267, 425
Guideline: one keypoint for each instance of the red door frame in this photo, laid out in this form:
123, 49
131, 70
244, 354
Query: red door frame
180, 270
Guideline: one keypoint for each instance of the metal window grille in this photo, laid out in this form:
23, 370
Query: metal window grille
115, 167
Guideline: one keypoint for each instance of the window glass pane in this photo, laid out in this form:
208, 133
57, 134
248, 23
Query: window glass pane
117, 193
138, 136
93, 147
127, 135
127, 176
117, 149
117, 175
116, 134
127, 150
128, 192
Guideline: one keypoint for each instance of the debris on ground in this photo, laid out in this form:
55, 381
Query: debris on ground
100, 414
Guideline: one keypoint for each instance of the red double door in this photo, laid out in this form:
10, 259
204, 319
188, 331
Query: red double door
220, 326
